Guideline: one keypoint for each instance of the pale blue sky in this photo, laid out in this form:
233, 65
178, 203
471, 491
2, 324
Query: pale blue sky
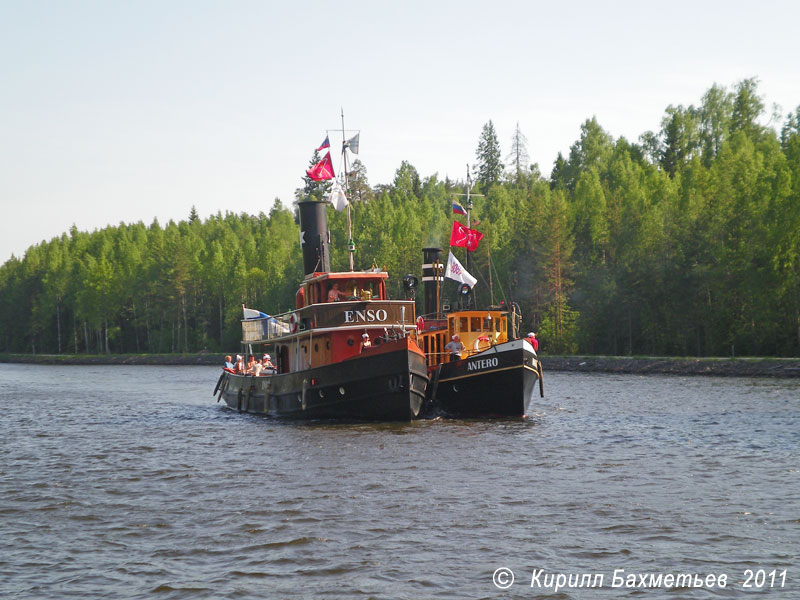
124, 111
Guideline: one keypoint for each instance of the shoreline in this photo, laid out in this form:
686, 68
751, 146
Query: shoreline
718, 367
202, 358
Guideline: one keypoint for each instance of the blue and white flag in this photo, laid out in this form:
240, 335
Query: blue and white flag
250, 313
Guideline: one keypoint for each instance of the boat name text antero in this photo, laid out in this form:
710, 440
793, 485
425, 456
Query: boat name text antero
479, 365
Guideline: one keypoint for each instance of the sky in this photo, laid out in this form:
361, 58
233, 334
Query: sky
115, 111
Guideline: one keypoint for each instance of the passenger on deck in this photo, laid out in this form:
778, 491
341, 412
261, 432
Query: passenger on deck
455, 348
269, 367
250, 362
335, 294
365, 342
240, 364
228, 362
255, 370
531, 339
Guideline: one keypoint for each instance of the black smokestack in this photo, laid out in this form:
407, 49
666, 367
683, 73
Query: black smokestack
431, 277
314, 237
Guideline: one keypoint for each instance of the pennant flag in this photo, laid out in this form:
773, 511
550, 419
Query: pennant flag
458, 209
455, 271
465, 237
325, 144
250, 313
337, 197
322, 170
352, 144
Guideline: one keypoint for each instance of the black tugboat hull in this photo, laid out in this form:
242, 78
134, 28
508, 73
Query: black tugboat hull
386, 386
498, 382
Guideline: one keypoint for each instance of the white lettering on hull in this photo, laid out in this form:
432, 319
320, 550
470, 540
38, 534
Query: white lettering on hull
484, 363
366, 316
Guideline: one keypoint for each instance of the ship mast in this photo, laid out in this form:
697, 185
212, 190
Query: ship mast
351, 247
468, 207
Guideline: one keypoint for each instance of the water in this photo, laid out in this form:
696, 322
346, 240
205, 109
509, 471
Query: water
130, 482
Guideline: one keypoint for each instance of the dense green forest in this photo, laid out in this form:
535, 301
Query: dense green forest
685, 242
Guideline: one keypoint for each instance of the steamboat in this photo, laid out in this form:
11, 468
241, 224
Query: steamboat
494, 372
345, 351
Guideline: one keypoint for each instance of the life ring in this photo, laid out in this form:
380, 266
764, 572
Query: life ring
420, 324
479, 341
294, 321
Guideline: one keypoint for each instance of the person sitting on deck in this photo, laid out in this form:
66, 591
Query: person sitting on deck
228, 362
365, 342
255, 370
239, 364
455, 348
335, 294
269, 367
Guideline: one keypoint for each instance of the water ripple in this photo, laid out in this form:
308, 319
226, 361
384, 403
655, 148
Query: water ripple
158, 492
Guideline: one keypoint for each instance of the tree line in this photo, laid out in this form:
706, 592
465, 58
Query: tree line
684, 242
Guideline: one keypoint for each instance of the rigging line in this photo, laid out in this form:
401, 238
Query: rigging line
500, 285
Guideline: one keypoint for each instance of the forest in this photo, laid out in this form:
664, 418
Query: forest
685, 242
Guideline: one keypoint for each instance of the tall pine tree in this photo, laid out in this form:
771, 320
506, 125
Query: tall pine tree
489, 167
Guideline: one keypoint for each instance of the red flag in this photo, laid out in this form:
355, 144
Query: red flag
322, 170
463, 236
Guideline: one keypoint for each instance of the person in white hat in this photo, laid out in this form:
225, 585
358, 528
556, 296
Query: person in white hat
455, 347
531, 339
365, 341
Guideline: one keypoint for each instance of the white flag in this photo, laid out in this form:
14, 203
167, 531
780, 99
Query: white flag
337, 197
456, 271
352, 143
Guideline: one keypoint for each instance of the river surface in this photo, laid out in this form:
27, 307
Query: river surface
131, 482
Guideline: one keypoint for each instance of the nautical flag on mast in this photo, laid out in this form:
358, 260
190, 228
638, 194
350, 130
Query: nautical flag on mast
337, 197
322, 170
325, 144
465, 237
458, 209
455, 271
352, 143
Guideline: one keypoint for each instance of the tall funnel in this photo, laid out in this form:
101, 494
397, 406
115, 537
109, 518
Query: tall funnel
315, 238
432, 277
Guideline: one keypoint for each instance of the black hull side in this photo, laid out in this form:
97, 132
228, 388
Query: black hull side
496, 383
389, 386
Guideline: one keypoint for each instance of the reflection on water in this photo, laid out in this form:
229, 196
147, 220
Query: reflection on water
128, 482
